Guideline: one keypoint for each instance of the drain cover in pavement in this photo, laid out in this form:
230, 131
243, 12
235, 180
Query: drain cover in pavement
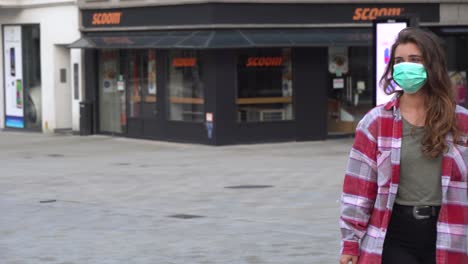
122, 163
185, 216
48, 201
56, 155
249, 186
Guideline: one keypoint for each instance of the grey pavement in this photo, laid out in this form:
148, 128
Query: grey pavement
99, 199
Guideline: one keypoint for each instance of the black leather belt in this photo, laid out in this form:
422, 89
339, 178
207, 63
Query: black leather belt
418, 212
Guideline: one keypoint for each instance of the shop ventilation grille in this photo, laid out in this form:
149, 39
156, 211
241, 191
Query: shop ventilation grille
272, 115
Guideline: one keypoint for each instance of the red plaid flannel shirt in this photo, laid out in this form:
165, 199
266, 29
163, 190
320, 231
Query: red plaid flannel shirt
371, 184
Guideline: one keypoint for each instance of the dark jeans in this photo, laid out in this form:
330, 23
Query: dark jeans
409, 240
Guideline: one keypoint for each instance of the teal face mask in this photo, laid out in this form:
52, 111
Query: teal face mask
409, 76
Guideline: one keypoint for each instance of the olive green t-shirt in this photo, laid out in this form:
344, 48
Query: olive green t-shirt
420, 177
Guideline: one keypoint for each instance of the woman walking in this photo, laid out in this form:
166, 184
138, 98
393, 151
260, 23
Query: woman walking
405, 192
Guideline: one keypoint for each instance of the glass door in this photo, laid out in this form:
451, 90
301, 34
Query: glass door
112, 112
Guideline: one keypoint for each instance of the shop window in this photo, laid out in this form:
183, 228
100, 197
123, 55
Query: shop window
141, 83
265, 85
185, 89
350, 90
456, 50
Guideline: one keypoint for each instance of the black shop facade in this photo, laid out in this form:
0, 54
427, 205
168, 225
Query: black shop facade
222, 74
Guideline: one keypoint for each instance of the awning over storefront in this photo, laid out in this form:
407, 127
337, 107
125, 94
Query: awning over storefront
222, 39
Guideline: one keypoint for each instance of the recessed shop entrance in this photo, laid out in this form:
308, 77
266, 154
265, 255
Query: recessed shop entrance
127, 92
111, 107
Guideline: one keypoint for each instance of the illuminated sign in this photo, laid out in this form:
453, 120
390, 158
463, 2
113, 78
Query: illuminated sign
184, 62
13, 76
264, 61
373, 13
107, 18
386, 33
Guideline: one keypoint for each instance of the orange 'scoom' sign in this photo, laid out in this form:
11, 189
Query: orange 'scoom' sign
107, 18
373, 13
184, 62
264, 61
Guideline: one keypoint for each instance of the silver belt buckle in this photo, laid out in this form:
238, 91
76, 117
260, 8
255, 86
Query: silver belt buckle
416, 214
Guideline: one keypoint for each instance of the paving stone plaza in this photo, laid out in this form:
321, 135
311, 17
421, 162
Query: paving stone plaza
73, 200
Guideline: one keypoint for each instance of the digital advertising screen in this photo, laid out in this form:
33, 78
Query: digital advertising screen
385, 34
13, 72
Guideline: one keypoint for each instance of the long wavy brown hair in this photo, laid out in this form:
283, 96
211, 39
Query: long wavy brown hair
440, 99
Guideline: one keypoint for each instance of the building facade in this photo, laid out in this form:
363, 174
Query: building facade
38, 68
228, 72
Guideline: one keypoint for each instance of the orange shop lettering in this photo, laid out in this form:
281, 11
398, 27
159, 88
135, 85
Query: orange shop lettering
184, 62
264, 61
373, 13
107, 18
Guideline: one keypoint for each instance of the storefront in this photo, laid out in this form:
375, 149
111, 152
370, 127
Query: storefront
234, 73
